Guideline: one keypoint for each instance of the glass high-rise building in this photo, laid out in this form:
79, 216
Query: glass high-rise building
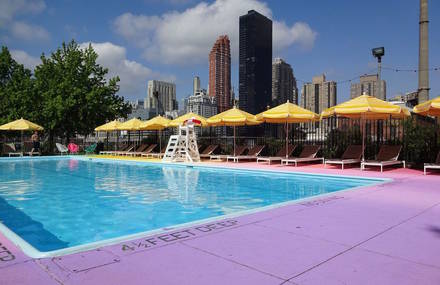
255, 62
283, 83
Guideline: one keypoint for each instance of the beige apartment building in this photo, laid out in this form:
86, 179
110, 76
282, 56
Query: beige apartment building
369, 85
319, 94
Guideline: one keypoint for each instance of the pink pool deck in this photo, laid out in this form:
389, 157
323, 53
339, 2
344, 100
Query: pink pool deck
384, 234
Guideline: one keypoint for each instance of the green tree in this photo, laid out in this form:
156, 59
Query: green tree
76, 96
17, 94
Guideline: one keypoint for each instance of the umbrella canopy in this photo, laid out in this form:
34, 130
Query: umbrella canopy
429, 108
130, 125
366, 107
157, 123
287, 113
109, 127
21, 125
180, 120
233, 117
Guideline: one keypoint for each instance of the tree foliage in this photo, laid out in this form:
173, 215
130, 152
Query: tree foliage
17, 94
75, 92
68, 93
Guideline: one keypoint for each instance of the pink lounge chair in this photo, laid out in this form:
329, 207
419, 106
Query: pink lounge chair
73, 148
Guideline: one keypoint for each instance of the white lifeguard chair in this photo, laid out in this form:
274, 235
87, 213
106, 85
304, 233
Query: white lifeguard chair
183, 147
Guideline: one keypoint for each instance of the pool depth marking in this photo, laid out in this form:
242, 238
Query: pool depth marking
5, 254
167, 238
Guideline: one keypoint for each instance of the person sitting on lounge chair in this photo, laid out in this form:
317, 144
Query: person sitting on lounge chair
308, 154
435, 165
388, 155
35, 144
279, 155
351, 155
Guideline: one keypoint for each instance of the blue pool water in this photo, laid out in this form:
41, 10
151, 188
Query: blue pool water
58, 203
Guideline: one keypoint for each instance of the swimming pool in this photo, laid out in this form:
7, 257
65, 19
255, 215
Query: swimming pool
53, 204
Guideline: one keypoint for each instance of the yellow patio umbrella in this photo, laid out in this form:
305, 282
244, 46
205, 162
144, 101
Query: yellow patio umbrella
130, 125
429, 108
21, 125
157, 123
287, 113
233, 117
366, 107
180, 120
110, 127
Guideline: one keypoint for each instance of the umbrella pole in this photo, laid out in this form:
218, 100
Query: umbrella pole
363, 138
117, 141
107, 139
22, 142
287, 139
234, 140
160, 142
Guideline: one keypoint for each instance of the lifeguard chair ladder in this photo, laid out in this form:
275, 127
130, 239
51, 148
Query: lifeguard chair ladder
183, 147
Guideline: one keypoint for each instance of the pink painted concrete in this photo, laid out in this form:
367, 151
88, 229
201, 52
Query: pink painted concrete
385, 234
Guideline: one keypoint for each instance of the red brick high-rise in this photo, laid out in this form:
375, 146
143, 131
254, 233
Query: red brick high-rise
220, 73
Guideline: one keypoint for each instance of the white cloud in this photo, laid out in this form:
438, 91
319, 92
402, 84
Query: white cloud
10, 8
26, 59
133, 75
24, 31
187, 37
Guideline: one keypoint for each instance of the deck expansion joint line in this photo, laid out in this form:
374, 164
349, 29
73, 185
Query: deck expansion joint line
362, 242
233, 261
303, 235
400, 258
50, 273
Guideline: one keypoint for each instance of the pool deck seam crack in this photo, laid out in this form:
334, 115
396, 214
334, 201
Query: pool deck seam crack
360, 243
400, 258
49, 272
233, 261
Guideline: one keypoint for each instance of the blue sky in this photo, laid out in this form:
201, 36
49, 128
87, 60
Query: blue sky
171, 39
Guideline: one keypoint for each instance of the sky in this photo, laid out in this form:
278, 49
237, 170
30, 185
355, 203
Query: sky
141, 40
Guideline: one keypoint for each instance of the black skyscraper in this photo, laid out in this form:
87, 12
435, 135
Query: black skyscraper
255, 62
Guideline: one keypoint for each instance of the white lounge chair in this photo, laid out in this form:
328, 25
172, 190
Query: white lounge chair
351, 155
281, 154
62, 149
435, 165
253, 154
308, 154
239, 150
209, 150
9, 148
388, 155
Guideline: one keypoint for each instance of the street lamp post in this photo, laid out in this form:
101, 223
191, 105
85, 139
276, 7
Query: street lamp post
378, 53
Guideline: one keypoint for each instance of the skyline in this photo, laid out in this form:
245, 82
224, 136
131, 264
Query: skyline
134, 39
